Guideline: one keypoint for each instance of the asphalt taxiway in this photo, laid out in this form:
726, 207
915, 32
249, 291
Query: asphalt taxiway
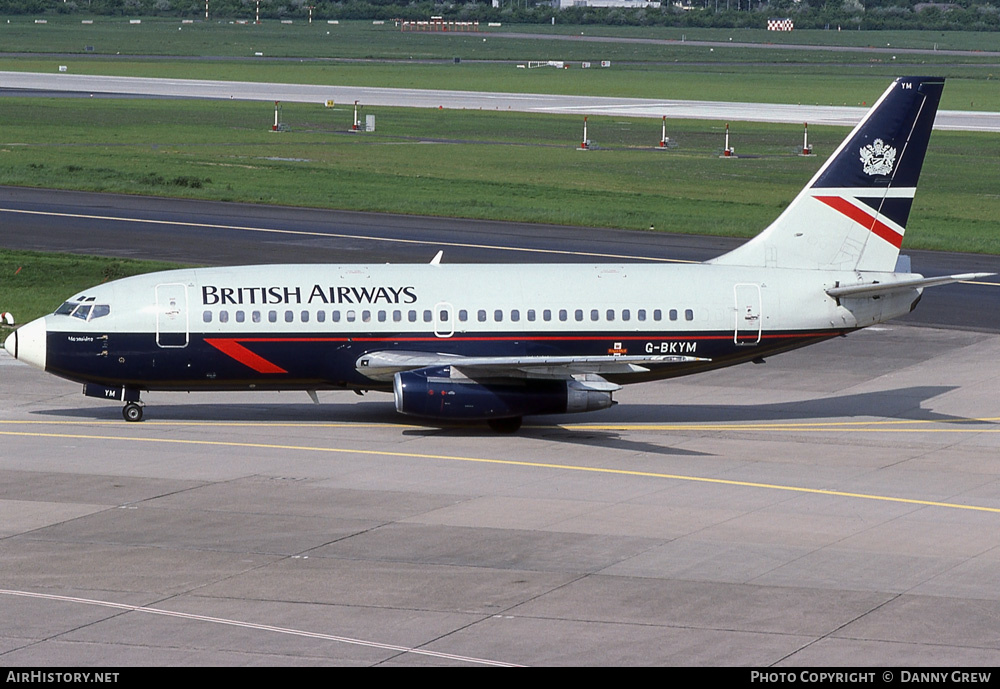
215, 233
837, 505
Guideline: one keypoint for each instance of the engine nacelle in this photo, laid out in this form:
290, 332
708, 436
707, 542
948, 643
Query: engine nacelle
433, 393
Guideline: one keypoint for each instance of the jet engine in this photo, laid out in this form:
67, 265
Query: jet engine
433, 393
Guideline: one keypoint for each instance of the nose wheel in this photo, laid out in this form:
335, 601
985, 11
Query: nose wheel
132, 411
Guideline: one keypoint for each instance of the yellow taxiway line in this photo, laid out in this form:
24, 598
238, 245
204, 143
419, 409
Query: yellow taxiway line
849, 426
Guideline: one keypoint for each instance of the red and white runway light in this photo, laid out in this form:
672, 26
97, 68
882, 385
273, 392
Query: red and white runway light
807, 150
728, 151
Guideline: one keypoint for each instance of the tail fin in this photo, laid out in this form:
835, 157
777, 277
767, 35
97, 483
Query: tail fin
852, 214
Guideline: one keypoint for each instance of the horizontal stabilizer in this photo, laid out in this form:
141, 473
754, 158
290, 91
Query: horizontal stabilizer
874, 289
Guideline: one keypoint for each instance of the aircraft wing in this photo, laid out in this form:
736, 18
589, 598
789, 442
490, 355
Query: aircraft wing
383, 365
874, 289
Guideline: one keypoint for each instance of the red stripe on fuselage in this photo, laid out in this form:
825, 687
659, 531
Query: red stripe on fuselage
243, 355
879, 228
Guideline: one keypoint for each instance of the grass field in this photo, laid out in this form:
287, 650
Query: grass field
362, 39
34, 283
487, 165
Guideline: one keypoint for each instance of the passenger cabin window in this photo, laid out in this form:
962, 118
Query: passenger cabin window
688, 315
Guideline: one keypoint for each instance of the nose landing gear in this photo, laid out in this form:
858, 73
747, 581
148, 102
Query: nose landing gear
132, 411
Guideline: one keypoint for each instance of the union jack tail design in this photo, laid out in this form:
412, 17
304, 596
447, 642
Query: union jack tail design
853, 213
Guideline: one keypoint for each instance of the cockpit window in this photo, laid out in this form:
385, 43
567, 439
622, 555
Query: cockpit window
85, 312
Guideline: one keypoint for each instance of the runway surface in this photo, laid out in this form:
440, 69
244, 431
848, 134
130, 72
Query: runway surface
838, 505
474, 100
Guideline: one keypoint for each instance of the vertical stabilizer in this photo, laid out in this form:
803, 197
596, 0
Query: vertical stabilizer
852, 214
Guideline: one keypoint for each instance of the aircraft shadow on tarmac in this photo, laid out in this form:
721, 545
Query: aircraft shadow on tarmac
901, 404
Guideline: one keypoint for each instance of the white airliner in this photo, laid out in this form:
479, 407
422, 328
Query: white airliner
497, 342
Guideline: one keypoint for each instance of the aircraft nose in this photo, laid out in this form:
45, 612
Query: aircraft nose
27, 343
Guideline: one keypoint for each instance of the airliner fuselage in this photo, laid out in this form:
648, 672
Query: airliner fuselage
308, 326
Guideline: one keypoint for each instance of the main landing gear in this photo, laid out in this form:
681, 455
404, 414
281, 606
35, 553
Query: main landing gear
132, 411
509, 425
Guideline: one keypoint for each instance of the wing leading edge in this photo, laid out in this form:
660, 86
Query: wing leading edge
383, 366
